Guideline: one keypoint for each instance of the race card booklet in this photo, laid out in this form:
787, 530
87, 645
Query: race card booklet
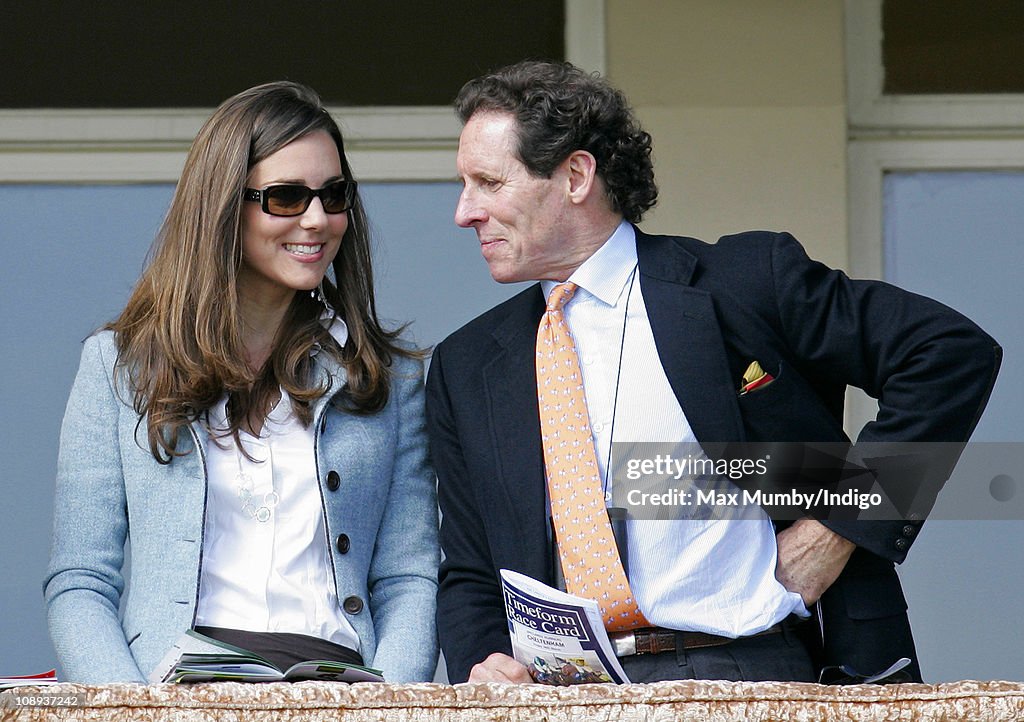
198, 658
559, 637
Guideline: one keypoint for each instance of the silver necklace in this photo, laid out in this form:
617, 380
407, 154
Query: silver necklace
259, 507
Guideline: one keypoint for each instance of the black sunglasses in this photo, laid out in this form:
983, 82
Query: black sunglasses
292, 200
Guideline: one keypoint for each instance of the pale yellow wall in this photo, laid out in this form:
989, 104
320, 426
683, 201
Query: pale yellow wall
745, 101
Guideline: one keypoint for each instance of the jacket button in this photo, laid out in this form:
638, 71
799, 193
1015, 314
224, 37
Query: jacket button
902, 544
343, 543
909, 531
353, 605
333, 480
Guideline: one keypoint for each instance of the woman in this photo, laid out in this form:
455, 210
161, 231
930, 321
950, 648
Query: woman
250, 426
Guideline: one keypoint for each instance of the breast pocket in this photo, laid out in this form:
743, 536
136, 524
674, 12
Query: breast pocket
787, 409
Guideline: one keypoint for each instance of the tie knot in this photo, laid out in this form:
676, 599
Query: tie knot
561, 295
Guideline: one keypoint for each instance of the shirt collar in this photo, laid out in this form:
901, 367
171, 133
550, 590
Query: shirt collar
335, 326
605, 274
332, 374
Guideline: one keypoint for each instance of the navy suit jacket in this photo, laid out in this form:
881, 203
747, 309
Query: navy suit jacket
713, 309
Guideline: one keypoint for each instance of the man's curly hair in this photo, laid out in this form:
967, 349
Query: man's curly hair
560, 109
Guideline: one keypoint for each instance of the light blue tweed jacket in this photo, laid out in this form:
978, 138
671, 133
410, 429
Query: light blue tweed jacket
109, 487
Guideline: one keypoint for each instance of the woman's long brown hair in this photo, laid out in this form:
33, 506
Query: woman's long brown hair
179, 336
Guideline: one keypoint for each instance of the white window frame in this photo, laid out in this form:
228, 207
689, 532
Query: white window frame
870, 109
869, 162
908, 133
415, 144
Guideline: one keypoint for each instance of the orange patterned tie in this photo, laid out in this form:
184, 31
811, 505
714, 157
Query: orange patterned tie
586, 546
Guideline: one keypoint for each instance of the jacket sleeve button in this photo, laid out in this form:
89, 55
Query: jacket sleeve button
909, 531
333, 480
902, 544
352, 605
343, 543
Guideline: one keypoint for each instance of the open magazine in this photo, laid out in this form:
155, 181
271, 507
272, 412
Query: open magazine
198, 658
559, 637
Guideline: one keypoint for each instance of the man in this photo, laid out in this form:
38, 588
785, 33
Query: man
556, 172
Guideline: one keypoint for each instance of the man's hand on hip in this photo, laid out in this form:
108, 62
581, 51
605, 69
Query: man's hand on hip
811, 557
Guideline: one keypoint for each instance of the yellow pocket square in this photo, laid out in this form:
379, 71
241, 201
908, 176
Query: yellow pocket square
755, 377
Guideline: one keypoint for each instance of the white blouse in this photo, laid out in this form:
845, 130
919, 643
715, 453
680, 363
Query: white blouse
266, 565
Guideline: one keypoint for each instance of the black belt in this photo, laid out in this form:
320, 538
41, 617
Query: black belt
655, 640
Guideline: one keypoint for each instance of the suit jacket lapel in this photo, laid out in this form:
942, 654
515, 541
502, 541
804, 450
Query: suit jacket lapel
688, 338
510, 382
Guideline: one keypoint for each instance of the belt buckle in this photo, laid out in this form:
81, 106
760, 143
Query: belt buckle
624, 643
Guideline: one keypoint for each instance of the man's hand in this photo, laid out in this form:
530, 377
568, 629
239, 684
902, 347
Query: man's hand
811, 556
500, 668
